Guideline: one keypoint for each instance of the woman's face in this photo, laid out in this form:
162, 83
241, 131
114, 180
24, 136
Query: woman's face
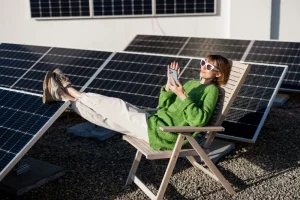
209, 74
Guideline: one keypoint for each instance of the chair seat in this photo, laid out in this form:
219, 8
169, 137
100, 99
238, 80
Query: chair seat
151, 154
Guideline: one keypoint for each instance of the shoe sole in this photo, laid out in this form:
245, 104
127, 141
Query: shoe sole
46, 94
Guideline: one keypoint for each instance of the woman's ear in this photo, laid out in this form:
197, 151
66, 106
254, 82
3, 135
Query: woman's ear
218, 74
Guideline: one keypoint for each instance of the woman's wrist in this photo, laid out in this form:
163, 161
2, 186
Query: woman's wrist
167, 88
182, 96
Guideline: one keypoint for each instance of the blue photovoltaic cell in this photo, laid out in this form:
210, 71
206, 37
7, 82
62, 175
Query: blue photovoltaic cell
202, 47
179, 7
21, 118
185, 46
249, 107
157, 44
122, 8
135, 78
16, 59
276, 52
59, 8
78, 65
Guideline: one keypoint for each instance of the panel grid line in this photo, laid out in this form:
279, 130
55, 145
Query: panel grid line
30, 68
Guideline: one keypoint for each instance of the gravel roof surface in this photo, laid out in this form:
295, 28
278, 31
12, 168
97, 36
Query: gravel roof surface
268, 169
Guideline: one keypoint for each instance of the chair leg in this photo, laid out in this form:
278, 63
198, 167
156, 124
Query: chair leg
134, 166
170, 168
199, 166
209, 140
210, 164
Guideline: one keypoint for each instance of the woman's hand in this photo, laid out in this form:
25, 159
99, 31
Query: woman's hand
173, 65
178, 89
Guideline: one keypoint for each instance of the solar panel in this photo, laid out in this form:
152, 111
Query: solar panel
180, 7
59, 8
249, 110
253, 102
157, 44
285, 53
229, 48
23, 120
185, 46
122, 8
16, 59
135, 78
78, 65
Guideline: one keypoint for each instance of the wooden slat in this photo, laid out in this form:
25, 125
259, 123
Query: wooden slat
210, 165
235, 78
241, 68
143, 187
236, 73
229, 87
170, 168
230, 90
134, 167
233, 81
198, 166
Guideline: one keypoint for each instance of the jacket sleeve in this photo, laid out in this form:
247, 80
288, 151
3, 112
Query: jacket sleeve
166, 98
199, 116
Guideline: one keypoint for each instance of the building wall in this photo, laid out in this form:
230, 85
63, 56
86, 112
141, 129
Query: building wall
250, 19
234, 19
107, 34
289, 29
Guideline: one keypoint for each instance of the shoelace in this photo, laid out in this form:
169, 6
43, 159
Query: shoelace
61, 77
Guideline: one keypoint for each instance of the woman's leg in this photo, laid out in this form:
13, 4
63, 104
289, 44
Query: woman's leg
115, 111
112, 113
100, 120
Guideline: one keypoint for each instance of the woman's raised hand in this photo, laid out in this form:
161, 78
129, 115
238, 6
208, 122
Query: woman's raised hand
173, 65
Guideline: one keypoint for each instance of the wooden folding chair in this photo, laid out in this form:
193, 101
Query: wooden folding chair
227, 95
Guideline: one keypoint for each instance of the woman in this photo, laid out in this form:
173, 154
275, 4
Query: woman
189, 105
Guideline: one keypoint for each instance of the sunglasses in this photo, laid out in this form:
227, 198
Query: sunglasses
209, 66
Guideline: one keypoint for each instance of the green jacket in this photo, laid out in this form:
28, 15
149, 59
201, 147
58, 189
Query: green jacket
195, 110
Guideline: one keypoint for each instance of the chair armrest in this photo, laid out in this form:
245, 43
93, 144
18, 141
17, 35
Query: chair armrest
188, 129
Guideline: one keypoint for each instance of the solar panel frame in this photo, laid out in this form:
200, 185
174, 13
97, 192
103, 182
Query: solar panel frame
92, 11
34, 139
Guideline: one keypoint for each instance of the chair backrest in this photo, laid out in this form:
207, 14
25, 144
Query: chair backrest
228, 92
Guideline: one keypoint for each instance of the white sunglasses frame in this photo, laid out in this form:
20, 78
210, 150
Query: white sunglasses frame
214, 68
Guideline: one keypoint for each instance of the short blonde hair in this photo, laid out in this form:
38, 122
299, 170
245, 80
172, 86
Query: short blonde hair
223, 65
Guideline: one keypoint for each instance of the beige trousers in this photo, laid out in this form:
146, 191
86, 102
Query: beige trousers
113, 113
